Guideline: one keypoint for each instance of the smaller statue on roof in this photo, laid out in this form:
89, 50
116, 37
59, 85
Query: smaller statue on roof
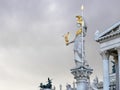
48, 85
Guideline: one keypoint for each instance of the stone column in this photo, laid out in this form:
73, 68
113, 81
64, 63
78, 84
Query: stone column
82, 85
118, 49
82, 76
116, 72
105, 56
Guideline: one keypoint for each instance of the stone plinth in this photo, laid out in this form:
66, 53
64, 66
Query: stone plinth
46, 89
82, 76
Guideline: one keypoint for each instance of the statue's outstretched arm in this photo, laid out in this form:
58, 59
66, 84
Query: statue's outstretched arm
70, 42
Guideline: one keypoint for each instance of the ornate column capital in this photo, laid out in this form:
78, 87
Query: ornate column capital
105, 55
114, 53
118, 50
115, 58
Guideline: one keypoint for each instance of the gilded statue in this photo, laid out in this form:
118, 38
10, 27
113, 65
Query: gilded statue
79, 53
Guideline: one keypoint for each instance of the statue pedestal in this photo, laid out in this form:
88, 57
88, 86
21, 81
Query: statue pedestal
82, 76
45, 89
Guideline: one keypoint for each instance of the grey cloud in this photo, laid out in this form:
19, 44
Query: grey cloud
31, 44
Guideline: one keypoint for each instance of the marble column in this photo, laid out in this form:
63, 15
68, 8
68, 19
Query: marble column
118, 49
116, 71
82, 76
82, 85
105, 56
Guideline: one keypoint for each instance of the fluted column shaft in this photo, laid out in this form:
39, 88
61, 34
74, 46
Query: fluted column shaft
106, 81
118, 49
116, 71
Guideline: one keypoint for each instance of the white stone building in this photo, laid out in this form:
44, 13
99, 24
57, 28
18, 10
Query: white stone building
109, 42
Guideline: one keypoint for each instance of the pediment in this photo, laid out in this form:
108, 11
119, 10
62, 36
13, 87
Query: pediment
110, 32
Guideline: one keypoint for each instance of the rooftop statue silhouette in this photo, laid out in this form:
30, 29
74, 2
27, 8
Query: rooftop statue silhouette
46, 86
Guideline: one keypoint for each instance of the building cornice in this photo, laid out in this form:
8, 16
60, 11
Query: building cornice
114, 34
111, 32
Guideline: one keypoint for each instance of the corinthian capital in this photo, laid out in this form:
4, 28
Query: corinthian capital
105, 55
118, 50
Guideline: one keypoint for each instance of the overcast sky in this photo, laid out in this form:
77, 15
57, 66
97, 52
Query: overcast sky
31, 44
